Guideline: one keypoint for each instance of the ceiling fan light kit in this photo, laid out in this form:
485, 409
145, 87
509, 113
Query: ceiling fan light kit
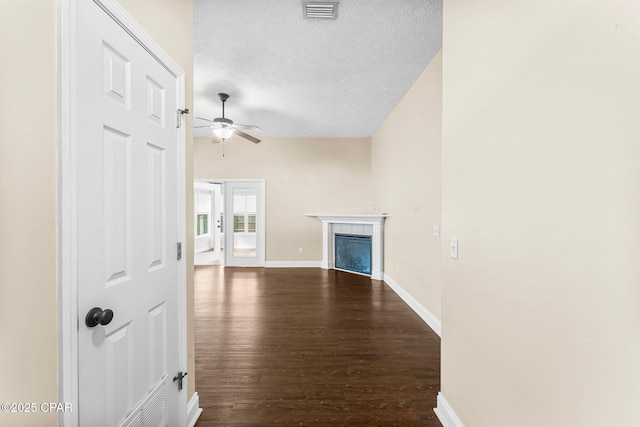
223, 132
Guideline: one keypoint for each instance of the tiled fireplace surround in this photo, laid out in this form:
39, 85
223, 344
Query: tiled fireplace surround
358, 224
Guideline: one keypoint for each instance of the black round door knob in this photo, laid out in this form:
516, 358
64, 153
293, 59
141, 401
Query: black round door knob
97, 316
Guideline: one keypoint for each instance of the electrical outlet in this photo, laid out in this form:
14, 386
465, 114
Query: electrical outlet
436, 231
453, 253
301, 250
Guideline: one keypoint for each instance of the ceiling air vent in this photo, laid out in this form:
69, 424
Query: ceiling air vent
320, 9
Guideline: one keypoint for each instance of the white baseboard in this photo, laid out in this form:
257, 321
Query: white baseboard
445, 413
292, 264
193, 410
420, 310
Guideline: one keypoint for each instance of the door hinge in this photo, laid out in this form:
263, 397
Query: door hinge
179, 378
179, 246
179, 117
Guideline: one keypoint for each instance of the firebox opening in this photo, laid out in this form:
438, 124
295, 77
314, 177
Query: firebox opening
353, 253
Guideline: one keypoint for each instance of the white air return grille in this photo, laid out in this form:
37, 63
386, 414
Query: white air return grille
152, 411
320, 9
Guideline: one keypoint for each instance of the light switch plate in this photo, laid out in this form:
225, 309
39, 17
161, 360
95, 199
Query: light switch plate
453, 253
436, 231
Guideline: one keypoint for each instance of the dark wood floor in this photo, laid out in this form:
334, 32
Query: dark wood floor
310, 347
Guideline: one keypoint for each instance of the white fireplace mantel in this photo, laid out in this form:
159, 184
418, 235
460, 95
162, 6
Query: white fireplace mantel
329, 222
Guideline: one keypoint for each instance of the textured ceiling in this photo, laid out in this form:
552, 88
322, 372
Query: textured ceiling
298, 77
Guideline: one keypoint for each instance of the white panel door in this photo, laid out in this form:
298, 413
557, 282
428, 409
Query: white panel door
244, 228
127, 228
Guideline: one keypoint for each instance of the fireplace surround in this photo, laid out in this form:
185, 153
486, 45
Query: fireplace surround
358, 225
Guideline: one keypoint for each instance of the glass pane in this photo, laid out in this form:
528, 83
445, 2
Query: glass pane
239, 203
202, 224
203, 202
238, 223
245, 243
252, 202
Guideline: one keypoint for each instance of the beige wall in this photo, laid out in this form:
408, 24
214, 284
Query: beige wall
541, 183
407, 166
305, 175
28, 190
28, 209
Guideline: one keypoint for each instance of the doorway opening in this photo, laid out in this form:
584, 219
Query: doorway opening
229, 222
208, 224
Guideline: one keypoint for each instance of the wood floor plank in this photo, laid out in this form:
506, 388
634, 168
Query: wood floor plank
310, 347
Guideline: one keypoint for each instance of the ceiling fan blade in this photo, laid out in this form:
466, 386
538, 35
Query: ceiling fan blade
207, 126
247, 127
246, 136
202, 118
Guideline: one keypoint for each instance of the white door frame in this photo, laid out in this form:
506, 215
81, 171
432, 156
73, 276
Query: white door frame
198, 190
214, 230
215, 220
68, 317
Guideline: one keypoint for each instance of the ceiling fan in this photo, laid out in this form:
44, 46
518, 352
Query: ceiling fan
224, 128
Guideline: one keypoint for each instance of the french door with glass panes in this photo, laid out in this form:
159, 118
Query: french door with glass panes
244, 223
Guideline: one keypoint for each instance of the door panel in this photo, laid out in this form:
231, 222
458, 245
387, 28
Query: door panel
127, 227
156, 208
117, 203
157, 351
119, 349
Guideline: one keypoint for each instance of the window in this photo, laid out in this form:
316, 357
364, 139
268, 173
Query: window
202, 224
202, 200
238, 223
244, 211
244, 223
